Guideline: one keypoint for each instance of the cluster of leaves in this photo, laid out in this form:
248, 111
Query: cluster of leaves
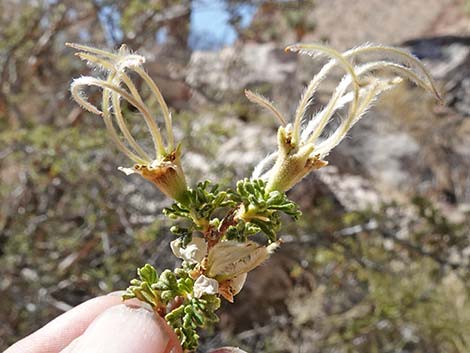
200, 205
169, 295
159, 290
196, 312
251, 210
261, 210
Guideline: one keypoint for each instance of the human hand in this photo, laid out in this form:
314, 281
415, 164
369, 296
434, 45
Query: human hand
102, 325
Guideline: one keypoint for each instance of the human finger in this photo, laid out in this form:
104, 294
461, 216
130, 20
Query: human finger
58, 333
126, 329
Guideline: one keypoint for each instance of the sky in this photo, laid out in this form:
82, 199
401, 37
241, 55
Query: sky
210, 28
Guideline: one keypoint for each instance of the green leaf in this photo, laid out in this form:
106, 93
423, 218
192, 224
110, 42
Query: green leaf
262, 210
148, 274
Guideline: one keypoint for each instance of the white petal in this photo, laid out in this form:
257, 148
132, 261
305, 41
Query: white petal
175, 246
205, 285
194, 252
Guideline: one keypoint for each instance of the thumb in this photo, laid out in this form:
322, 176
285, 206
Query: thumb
126, 329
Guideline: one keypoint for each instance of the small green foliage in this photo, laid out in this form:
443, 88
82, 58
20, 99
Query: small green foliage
241, 231
256, 210
173, 284
195, 313
157, 290
261, 209
173, 290
255, 198
141, 288
167, 285
200, 204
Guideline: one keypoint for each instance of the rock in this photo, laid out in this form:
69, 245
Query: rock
235, 68
372, 21
353, 192
448, 59
248, 147
231, 70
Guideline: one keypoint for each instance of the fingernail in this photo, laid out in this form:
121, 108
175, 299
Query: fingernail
124, 329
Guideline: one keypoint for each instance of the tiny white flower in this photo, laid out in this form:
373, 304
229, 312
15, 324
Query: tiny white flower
193, 253
205, 285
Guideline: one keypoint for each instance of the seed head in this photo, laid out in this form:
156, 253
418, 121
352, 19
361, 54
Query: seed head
301, 145
163, 168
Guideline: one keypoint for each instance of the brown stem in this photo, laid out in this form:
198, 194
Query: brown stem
213, 235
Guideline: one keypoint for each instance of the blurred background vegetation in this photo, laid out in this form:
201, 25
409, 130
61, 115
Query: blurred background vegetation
380, 260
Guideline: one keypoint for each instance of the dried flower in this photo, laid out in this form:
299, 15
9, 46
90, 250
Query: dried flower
230, 261
301, 145
164, 167
226, 264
